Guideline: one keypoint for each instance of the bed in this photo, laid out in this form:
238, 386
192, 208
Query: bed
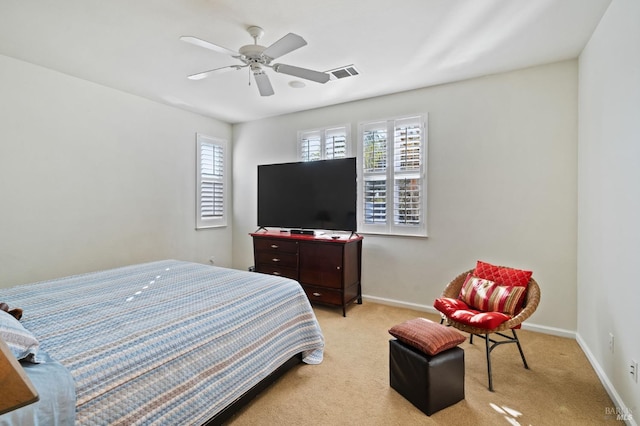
167, 342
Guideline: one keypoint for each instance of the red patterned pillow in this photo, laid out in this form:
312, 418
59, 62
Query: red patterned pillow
427, 336
488, 296
487, 320
501, 274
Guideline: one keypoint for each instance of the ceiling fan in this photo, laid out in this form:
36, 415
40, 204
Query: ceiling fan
257, 58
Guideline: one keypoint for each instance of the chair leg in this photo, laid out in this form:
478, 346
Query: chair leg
490, 344
488, 350
524, 361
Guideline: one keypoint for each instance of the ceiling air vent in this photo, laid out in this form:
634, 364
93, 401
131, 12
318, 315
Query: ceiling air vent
343, 72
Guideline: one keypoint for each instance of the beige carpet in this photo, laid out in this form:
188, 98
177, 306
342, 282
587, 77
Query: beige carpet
351, 386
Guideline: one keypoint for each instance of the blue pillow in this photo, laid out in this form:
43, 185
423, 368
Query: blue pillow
21, 341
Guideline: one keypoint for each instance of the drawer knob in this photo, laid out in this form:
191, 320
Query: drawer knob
317, 294
338, 268
274, 246
275, 259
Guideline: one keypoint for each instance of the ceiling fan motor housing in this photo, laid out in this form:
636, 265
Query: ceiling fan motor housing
252, 53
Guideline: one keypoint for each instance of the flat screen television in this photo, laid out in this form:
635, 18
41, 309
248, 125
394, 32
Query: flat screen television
313, 195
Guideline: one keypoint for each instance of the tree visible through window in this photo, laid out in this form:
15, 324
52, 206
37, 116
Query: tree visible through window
393, 185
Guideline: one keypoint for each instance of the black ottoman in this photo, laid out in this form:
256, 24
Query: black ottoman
431, 383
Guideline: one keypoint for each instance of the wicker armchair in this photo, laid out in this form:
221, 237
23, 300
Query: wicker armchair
531, 301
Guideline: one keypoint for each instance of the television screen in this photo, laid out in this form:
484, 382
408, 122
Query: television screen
308, 195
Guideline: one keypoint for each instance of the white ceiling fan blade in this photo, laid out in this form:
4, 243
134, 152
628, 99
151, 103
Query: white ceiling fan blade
201, 43
286, 44
307, 74
264, 85
205, 74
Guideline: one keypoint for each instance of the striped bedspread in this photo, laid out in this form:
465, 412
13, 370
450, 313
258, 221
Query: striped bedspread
167, 342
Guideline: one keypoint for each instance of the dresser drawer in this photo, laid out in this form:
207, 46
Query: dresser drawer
279, 271
268, 244
323, 295
279, 259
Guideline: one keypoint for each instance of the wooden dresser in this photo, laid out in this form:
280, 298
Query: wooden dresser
328, 269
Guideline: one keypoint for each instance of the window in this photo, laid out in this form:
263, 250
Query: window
323, 144
211, 182
392, 190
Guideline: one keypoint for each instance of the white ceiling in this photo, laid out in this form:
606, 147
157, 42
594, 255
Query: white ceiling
134, 46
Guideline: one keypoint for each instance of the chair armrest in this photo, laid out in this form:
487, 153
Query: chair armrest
452, 290
531, 301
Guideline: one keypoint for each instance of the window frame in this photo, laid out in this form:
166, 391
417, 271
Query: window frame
390, 174
215, 221
322, 135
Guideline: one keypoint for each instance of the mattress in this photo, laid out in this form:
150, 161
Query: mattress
167, 342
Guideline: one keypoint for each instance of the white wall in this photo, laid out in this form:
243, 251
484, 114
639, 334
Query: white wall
609, 199
501, 183
92, 178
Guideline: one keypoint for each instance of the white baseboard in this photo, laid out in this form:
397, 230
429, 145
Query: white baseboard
400, 304
623, 411
427, 308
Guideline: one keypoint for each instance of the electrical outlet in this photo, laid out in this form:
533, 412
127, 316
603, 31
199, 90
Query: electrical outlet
611, 342
634, 370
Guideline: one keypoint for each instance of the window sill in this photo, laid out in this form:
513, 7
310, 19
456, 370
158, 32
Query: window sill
393, 234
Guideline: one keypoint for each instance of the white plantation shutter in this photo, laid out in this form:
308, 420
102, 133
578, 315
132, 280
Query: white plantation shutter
323, 144
407, 201
335, 143
311, 146
375, 201
392, 189
211, 182
212, 186
408, 168
374, 142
